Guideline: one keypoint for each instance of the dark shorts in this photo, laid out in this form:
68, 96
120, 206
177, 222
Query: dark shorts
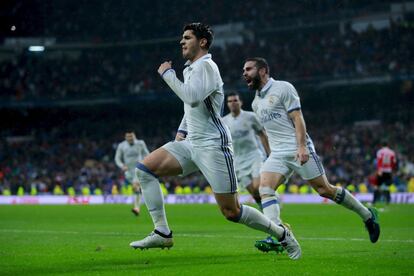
385, 178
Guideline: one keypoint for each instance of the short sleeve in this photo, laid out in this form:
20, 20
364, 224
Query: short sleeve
290, 98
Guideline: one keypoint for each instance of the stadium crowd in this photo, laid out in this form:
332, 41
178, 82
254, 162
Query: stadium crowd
57, 153
300, 56
328, 54
69, 21
48, 161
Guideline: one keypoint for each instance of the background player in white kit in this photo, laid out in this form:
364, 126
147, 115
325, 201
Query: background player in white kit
127, 154
277, 105
207, 147
244, 126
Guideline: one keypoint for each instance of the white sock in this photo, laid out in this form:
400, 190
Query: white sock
137, 199
346, 199
271, 209
270, 204
154, 199
252, 218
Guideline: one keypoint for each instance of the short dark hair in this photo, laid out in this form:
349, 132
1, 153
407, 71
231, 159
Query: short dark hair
200, 31
129, 130
260, 63
233, 93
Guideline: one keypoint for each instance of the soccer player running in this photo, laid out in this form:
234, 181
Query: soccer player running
127, 154
386, 164
244, 126
207, 147
278, 107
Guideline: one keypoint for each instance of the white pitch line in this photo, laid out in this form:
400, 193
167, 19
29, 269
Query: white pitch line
186, 235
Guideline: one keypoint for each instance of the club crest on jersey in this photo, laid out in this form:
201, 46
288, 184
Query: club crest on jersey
272, 99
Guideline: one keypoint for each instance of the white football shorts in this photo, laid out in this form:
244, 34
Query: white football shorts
215, 163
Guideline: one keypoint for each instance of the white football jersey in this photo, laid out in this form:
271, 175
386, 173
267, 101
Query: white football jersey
202, 94
272, 105
243, 129
129, 155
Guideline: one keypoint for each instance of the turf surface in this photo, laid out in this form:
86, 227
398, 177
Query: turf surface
94, 240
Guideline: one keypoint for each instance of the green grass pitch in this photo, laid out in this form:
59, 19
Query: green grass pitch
93, 240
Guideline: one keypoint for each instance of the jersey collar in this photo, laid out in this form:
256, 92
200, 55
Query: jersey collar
241, 111
265, 88
206, 56
135, 142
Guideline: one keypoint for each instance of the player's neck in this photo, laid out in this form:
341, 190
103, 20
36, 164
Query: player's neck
236, 113
199, 55
263, 82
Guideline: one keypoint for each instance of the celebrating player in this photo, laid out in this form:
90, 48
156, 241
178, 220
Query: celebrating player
207, 147
128, 153
278, 107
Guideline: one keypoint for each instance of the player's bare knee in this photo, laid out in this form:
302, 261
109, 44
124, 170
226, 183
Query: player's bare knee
231, 214
149, 163
162, 163
323, 192
326, 191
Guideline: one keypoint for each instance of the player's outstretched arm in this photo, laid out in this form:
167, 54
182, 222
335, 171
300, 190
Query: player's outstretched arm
199, 86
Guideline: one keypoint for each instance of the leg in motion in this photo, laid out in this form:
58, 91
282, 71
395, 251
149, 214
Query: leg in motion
270, 202
271, 209
252, 218
137, 198
377, 195
222, 178
386, 191
253, 189
343, 197
158, 163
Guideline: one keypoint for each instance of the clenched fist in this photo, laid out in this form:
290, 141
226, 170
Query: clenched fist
164, 67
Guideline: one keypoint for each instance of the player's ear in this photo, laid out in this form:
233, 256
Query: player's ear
262, 72
203, 43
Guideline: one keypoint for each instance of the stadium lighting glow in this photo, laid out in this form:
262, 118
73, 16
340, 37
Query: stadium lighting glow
36, 48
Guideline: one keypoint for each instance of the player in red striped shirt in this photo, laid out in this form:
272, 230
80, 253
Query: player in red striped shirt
386, 164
